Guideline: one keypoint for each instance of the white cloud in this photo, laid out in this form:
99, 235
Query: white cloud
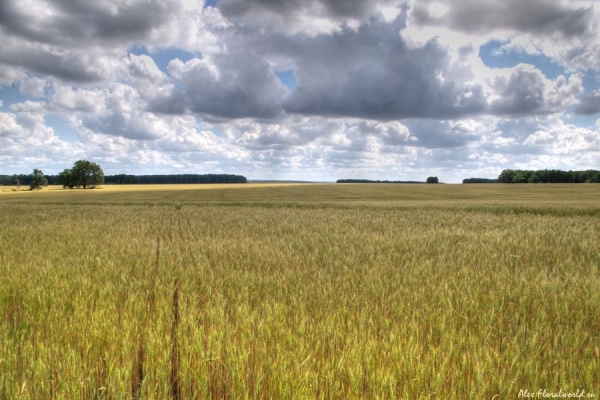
29, 107
230, 86
308, 18
589, 103
33, 86
9, 126
566, 139
26, 142
527, 91
540, 138
69, 98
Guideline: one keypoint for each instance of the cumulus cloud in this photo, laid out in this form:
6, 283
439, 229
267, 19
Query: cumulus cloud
354, 135
26, 141
527, 91
543, 137
83, 43
566, 139
298, 132
256, 136
445, 134
9, 126
154, 87
79, 22
371, 73
309, 18
590, 104
122, 114
33, 86
69, 98
522, 93
287, 8
483, 16
65, 64
230, 85
568, 32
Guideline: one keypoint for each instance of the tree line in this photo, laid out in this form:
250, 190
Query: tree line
85, 174
431, 179
549, 176
541, 176
179, 178
479, 180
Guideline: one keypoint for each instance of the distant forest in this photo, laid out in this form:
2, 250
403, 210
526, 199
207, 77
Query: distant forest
370, 181
541, 176
479, 180
24, 180
166, 179
514, 176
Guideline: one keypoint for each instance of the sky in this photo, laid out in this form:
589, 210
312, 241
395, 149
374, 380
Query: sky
313, 90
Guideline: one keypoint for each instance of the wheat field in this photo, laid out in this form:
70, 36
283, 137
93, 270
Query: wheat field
300, 291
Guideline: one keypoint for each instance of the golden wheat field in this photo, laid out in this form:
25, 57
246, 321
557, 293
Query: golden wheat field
300, 292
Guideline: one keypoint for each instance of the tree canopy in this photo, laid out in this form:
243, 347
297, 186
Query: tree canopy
38, 180
479, 180
84, 174
549, 176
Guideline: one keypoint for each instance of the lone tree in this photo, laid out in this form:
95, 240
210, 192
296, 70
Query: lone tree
38, 180
433, 179
84, 174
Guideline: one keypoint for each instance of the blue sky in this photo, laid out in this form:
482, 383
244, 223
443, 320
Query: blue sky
287, 78
315, 90
492, 56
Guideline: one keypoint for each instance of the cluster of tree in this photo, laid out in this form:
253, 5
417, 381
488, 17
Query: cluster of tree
84, 174
549, 176
38, 180
24, 179
370, 181
11, 180
479, 180
166, 179
431, 179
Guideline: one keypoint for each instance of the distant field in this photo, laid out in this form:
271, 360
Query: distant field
400, 194
290, 291
145, 188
